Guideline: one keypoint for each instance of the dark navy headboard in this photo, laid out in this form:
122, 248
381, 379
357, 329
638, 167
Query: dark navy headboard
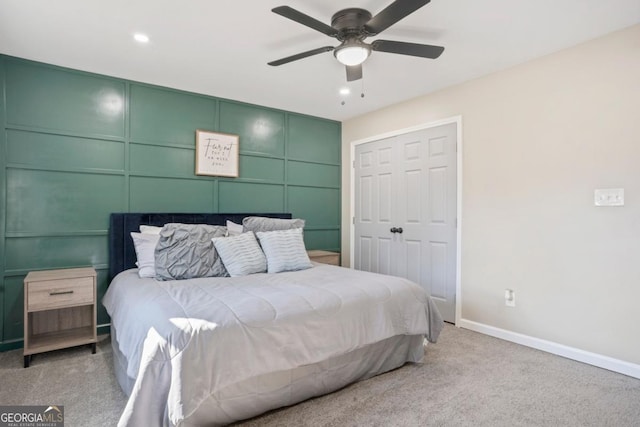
122, 254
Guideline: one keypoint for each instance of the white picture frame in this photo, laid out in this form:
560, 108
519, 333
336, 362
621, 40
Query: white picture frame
217, 153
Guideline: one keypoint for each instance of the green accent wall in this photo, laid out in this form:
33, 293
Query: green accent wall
77, 146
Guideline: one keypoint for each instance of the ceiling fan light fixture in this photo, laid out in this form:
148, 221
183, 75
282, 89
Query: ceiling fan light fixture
352, 54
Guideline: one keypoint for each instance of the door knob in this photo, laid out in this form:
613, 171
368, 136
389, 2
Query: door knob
399, 230
393, 230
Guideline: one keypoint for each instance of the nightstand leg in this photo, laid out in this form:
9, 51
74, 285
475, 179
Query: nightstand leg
27, 361
93, 348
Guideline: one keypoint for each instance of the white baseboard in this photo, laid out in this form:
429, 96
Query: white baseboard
615, 365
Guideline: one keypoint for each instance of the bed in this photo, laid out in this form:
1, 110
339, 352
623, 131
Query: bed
214, 350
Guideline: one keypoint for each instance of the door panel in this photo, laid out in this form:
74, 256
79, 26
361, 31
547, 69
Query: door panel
438, 192
366, 199
409, 181
385, 188
384, 256
413, 208
441, 234
374, 206
385, 156
437, 277
414, 260
364, 255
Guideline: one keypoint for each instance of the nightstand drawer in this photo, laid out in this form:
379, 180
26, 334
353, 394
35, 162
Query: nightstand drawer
59, 310
51, 294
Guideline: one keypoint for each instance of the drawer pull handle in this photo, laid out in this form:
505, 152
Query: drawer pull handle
60, 293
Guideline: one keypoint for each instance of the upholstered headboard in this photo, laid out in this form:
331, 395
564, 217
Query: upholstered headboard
122, 254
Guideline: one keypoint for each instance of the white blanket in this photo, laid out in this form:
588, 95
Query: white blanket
185, 340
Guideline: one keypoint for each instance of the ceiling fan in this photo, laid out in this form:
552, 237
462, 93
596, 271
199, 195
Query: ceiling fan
351, 27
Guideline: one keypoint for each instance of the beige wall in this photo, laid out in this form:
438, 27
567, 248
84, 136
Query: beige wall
537, 140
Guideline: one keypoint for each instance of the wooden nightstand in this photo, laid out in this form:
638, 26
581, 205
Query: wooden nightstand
325, 257
59, 310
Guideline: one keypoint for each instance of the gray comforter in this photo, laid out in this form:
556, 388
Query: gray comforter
185, 340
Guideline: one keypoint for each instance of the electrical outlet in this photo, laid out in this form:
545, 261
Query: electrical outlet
509, 298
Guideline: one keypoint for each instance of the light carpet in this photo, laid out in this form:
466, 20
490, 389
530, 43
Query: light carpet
466, 379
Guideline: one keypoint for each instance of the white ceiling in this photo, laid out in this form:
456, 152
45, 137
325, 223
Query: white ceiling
221, 48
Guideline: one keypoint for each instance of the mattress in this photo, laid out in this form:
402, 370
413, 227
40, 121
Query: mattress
215, 350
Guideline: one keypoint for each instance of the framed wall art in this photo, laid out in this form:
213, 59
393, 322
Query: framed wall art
217, 153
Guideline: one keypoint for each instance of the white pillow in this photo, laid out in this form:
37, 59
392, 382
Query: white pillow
234, 229
241, 254
150, 229
145, 245
284, 250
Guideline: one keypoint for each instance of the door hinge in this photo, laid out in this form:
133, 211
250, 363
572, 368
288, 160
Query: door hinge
353, 164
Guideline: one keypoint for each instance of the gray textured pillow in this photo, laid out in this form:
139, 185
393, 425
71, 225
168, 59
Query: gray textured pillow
261, 223
284, 250
241, 254
185, 251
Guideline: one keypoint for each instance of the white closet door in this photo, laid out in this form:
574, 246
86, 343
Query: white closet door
374, 206
408, 183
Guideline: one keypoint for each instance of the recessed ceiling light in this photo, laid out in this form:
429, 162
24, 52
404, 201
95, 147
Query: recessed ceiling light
345, 91
141, 38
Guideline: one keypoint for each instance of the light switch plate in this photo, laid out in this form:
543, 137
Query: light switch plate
609, 197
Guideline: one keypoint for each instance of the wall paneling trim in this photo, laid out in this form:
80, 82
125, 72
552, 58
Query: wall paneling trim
77, 146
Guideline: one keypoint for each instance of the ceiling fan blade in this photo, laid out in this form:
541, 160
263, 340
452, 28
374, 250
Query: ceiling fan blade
392, 14
301, 55
306, 20
404, 48
354, 72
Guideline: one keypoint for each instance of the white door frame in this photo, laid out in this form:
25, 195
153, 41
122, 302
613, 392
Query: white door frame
458, 121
